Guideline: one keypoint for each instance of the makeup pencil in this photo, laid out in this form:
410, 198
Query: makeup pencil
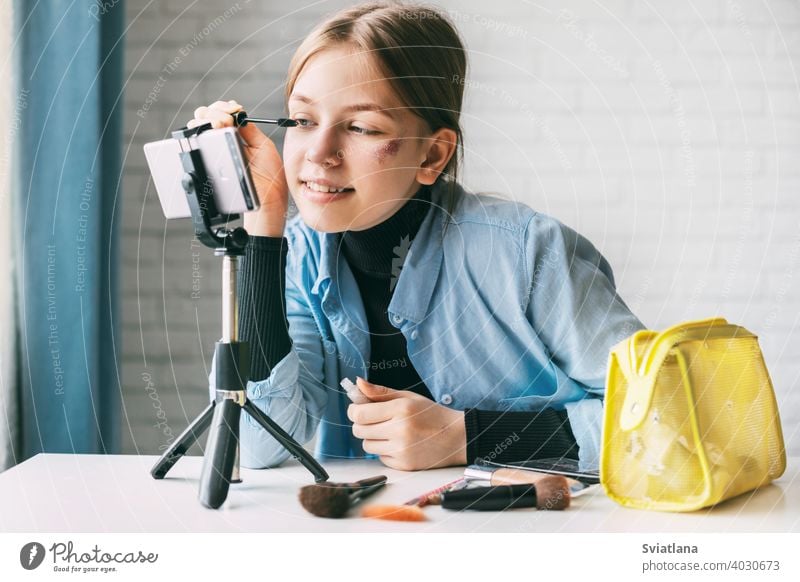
411, 509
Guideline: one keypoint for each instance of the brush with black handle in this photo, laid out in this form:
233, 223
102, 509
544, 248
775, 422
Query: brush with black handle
335, 499
550, 492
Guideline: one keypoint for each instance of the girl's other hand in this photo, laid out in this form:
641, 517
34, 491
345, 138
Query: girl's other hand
408, 431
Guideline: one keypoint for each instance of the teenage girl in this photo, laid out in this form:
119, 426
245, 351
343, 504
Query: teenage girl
476, 326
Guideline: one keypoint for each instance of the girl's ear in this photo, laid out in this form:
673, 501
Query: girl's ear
442, 146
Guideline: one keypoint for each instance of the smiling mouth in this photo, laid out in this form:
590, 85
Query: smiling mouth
325, 189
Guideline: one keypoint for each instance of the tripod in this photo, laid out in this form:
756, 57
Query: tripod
232, 358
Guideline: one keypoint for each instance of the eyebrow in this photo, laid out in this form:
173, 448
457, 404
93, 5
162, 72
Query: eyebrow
358, 107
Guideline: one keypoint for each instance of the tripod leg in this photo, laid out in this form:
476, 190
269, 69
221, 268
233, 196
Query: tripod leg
220, 453
284, 438
183, 443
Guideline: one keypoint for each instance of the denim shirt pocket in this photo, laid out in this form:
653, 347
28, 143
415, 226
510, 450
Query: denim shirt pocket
526, 403
562, 389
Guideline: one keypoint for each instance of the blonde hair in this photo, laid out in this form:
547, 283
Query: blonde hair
421, 55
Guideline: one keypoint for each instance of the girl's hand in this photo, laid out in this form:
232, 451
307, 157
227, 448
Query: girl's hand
408, 431
266, 168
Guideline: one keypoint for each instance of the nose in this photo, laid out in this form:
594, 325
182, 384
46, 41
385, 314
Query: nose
322, 148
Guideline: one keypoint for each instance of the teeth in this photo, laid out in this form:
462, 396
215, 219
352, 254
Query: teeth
321, 188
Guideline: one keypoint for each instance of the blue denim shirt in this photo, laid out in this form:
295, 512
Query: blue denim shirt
508, 310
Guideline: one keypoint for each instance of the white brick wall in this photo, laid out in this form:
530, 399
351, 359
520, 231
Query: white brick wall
666, 133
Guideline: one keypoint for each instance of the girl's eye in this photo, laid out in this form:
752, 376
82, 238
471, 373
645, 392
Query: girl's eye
362, 131
356, 129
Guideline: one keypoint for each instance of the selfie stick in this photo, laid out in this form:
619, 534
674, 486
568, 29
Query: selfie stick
232, 358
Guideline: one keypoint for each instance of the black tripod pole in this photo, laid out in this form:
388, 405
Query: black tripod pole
232, 358
221, 461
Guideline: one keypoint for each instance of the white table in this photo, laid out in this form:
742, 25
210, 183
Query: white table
115, 493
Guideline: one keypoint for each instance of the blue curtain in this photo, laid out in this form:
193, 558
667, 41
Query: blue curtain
69, 73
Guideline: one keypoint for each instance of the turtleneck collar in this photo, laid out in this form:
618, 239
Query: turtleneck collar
372, 251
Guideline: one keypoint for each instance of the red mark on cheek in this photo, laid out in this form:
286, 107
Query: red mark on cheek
390, 148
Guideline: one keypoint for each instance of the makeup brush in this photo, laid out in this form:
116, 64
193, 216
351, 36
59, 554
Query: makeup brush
549, 493
410, 510
394, 512
328, 499
506, 476
240, 119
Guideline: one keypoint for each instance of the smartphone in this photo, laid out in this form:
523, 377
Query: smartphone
223, 158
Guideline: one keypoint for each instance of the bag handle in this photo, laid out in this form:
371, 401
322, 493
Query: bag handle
638, 370
668, 335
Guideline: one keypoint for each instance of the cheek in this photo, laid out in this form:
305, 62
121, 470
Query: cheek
387, 150
291, 144
293, 153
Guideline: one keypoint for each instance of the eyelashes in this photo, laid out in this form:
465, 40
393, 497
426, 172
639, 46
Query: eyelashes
306, 124
364, 131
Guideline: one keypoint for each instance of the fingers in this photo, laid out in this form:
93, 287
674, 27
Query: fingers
226, 107
378, 393
377, 447
379, 432
370, 413
218, 114
252, 136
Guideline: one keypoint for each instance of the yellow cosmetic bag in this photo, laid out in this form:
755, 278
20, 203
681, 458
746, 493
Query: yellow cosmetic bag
690, 418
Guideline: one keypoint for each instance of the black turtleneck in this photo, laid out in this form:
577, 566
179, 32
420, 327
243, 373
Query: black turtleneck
375, 257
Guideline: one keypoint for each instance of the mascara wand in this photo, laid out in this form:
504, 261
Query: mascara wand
240, 119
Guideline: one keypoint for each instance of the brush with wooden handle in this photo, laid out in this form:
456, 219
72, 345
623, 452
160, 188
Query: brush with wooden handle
508, 476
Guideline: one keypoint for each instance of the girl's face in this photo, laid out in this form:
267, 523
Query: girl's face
353, 134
